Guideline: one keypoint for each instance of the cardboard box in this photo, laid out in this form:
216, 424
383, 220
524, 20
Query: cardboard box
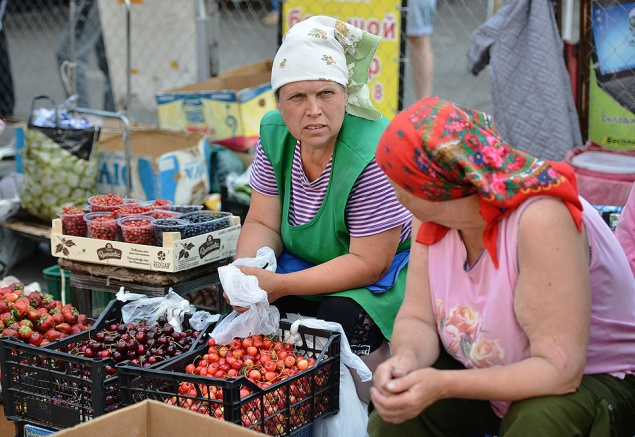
175, 255
165, 165
227, 108
153, 419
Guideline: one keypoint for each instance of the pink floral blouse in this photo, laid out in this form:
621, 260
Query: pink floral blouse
474, 306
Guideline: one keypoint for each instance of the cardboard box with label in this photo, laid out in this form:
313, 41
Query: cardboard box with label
164, 165
175, 255
153, 419
227, 108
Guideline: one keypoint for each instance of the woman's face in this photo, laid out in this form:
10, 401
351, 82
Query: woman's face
313, 111
422, 209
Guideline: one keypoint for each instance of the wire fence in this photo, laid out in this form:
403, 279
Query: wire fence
175, 43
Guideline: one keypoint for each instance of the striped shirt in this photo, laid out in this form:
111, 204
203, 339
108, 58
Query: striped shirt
372, 207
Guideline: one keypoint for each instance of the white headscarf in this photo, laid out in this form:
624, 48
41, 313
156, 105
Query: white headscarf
324, 48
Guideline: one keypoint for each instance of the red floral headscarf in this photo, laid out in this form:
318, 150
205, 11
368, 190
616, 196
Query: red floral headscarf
440, 151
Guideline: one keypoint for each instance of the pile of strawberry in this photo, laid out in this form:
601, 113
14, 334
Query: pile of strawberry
36, 318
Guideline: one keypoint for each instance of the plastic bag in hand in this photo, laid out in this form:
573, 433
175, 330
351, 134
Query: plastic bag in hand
149, 309
243, 290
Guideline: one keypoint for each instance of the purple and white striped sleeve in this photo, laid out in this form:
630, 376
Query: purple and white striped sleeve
373, 208
262, 177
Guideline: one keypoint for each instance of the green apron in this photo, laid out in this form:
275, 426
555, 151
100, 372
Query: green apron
326, 236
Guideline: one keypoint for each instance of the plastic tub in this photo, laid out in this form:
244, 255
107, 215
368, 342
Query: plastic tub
137, 229
185, 208
203, 222
108, 202
102, 226
168, 225
134, 209
165, 214
158, 203
73, 222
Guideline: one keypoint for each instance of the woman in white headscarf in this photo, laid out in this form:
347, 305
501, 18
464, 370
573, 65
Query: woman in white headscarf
319, 199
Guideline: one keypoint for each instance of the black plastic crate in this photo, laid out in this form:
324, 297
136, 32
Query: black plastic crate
53, 387
284, 408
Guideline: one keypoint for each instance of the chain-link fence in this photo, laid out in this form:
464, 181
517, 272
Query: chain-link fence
173, 43
170, 43
607, 72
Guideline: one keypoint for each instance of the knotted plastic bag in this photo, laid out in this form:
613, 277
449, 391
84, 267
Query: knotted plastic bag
243, 290
143, 308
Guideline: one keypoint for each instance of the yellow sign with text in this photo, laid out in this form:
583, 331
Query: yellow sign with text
382, 18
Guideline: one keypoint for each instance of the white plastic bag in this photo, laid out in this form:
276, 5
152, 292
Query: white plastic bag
149, 309
243, 290
352, 418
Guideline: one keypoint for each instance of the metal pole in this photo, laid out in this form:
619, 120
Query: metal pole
72, 23
128, 58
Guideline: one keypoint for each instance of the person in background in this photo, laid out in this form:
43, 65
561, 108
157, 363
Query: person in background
88, 37
273, 17
519, 313
419, 19
625, 230
319, 200
7, 93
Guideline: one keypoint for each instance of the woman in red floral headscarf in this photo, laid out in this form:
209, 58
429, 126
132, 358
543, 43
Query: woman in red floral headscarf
515, 283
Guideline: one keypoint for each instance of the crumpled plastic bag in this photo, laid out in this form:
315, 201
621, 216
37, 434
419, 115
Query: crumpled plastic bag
243, 290
352, 418
143, 308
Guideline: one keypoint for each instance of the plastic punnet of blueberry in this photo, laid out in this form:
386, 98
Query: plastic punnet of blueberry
203, 222
168, 225
185, 208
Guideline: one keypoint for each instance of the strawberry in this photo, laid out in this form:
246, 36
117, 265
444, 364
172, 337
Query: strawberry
33, 315
26, 322
64, 328
19, 308
25, 332
35, 299
10, 333
36, 339
48, 301
52, 334
44, 323
70, 313
18, 286
75, 329
4, 306
82, 320
1, 326
58, 318
11, 297
7, 318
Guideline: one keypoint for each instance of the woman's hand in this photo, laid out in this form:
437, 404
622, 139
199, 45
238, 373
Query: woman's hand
399, 394
268, 281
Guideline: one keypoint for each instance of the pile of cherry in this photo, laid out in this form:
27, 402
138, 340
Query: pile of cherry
140, 343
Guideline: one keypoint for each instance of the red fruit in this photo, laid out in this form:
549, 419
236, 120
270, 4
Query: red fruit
75, 329
36, 339
52, 334
5, 290
11, 297
70, 313
58, 318
44, 323
7, 332
4, 306
48, 301
64, 328
25, 332
35, 299
82, 319
17, 286
33, 315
